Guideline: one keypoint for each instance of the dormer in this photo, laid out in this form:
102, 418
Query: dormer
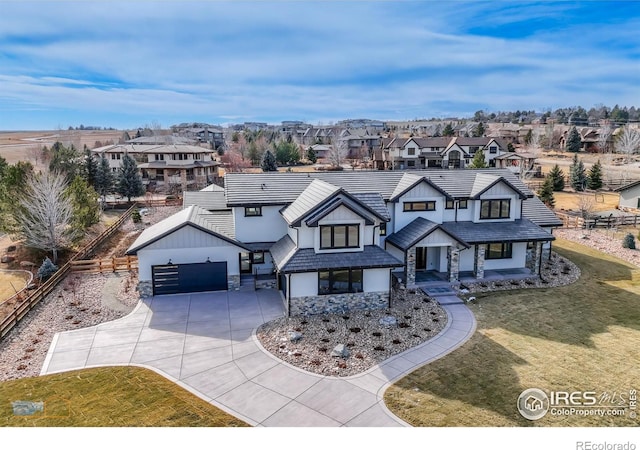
330, 220
417, 196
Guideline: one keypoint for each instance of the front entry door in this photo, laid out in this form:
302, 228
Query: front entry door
245, 262
421, 258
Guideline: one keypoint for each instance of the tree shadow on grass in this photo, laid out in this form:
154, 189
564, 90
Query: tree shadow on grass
570, 314
467, 376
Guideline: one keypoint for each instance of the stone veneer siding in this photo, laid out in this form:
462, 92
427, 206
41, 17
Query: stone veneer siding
534, 262
337, 303
233, 282
478, 263
411, 267
454, 264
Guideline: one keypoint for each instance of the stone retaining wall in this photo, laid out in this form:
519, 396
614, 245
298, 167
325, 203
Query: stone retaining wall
338, 303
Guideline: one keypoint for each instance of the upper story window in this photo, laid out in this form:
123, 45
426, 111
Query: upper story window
252, 211
116, 156
383, 228
473, 149
339, 236
159, 157
495, 209
411, 151
435, 149
419, 206
493, 149
499, 250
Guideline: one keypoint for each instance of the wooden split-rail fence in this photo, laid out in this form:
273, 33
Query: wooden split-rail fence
123, 263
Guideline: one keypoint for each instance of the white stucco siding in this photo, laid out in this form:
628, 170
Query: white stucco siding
629, 197
420, 193
306, 236
517, 260
376, 280
187, 237
437, 238
148, 257
303, 284
467, 257
498, 189
268, 227
395, 252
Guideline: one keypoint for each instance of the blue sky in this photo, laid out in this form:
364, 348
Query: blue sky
133, 63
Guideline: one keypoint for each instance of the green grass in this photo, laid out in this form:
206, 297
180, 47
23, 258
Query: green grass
109, 396
584, 336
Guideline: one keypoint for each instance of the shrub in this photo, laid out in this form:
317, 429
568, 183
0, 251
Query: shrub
629, 241
46, 269
135, 216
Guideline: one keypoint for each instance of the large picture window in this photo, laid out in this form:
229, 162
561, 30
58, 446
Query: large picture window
339, 236
419, 206
339, 281
495, 209
499, 250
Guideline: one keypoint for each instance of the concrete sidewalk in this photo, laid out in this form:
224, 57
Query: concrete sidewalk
205, 342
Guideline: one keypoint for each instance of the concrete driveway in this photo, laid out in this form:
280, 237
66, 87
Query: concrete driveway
205, 342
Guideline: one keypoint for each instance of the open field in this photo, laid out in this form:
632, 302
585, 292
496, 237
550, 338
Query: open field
109, 396
23, 145
10, 282
581, 337
601, 201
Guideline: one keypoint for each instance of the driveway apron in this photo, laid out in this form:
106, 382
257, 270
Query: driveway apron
206, 343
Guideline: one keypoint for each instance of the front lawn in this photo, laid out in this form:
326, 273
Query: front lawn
108, 396
581, 337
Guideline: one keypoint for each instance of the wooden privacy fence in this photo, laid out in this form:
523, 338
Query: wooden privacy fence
105, 265
35, 296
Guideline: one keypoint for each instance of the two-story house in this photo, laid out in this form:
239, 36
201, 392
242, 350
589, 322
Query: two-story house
436, 152
337, 241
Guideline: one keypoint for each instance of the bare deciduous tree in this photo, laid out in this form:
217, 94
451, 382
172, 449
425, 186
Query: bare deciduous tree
603, 138
338, 152
628, 142
45, 214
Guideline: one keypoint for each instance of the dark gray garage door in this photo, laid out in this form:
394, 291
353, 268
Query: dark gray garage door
182, 278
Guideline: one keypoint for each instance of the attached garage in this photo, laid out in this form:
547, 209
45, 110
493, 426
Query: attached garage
185, 278
192, 251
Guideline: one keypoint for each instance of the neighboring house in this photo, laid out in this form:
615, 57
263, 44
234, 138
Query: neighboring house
337, 241
521, 163
163, 166
436, 152
629, 196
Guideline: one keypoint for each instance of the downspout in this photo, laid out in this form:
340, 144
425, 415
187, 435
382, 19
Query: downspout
288, 281
373, 238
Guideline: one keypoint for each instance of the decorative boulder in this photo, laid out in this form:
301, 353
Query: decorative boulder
295, 336
388, 321
7, 259
340, 351
27, 264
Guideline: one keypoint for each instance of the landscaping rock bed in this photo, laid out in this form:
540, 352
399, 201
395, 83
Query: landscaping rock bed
76, 303
600, 240
368, 338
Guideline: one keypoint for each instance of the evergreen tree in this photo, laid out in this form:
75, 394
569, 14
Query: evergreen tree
510, 147
90, 167
479, 130
253, 153
448, 130
573, 141
104, 178
47, 269
65, 160
129, 182
529, 137
629, 241
478, 161
557, 177
595, 176
84, 201
269, 162
577, 174
311, 156
545, 193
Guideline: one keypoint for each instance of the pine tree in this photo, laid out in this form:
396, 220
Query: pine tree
478, 161
595, 176
104, 178
448, 130
528, 137
269, 162
479, 130
47, 269
629, 241
84, 200
577, 174
90, 168
129, 183
557, 176
545, 193
574, 143
510, 147
311, 155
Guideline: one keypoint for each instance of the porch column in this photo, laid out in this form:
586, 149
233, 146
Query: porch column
183, 178
478, 261
411, 267
537, 257
454, 264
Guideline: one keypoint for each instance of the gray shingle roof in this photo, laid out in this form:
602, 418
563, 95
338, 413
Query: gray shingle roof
375, 202
281, 188
219, 224
287, 259
522, 230
340, 200
484, 181
415, 231
312, 197
211, 200
537, 212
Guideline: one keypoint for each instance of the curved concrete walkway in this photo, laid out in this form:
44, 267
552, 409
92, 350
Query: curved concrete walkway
206, 343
